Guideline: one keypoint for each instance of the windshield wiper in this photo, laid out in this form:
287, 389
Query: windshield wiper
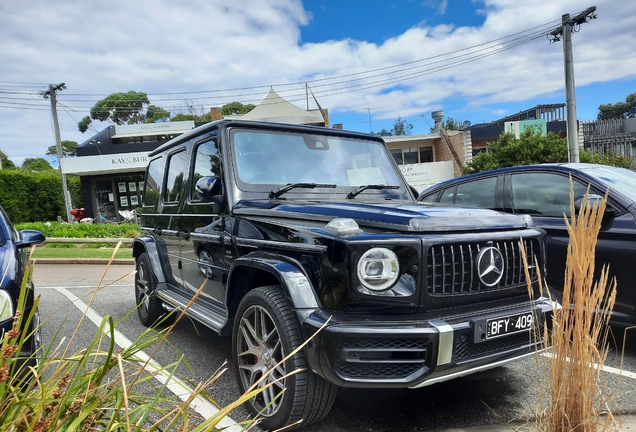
354, 193
277, 193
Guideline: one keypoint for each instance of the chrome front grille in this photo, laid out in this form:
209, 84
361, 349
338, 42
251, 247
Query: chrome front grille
452, 268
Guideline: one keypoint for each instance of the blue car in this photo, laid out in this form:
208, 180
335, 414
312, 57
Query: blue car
14, 255
543, 192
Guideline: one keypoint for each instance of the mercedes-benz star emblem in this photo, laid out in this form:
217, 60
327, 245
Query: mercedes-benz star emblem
490, 266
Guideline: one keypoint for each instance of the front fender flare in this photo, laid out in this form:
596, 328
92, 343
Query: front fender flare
149, 246
293, 280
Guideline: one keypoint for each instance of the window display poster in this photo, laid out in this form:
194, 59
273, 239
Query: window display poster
122, 187
132, 187
133, 200
111, 197
141, 186
123, 200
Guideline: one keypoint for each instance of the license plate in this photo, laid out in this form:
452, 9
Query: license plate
504, 326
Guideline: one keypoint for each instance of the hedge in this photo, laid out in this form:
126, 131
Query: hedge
36, 196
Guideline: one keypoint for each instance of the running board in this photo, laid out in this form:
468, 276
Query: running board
208, 316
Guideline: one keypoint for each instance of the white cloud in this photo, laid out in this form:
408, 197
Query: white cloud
98, 48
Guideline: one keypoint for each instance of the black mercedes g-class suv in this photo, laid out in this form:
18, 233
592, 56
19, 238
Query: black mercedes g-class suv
284, 229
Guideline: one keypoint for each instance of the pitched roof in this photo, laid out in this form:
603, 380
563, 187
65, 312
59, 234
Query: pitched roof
276, 109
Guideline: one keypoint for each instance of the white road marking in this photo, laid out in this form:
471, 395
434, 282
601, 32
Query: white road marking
178, 387
40, 286
607, 369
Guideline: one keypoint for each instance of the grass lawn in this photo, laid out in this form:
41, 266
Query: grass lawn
80, 252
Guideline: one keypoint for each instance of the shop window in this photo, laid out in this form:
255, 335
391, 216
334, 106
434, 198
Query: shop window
397, 155
413, 155
129, 191
426, 154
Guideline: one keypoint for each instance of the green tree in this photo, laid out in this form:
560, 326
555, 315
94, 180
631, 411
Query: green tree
36, 196
619, 110
608, 158
194, 117
7, 164
234, 108
531, 148
36, 164
452, 124
118, 108
401, 127
154, 113
69, 148
534, 148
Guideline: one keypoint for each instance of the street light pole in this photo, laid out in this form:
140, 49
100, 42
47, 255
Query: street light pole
53, 88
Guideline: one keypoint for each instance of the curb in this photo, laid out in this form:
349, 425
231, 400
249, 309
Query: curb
96, 261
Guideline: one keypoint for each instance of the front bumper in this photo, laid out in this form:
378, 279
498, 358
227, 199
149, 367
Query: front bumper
382, 352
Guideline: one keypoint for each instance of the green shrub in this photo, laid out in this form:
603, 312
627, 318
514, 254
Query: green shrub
80, 230
60, 245
36, 196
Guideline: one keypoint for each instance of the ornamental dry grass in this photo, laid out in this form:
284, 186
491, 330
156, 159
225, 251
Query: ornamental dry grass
574, 398
99, 387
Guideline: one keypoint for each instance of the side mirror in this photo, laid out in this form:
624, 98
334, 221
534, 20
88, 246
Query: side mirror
208, 187
209, 191
29, 238
593, 200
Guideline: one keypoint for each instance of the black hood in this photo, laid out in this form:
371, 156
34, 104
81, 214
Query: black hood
396, 215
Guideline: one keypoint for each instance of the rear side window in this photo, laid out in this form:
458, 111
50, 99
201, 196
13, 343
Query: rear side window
153, 180
545, 194
175, 172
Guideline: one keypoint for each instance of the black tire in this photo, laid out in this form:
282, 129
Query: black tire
265, 331
149, 306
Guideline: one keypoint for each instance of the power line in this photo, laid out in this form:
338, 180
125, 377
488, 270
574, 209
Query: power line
329, 86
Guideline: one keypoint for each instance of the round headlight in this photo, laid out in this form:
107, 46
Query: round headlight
378, 269
6, 306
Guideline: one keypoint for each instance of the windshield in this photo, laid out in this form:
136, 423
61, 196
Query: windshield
621, 180
278, 158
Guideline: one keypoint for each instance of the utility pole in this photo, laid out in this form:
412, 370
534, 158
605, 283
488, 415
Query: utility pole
369, 121
58, 143
568, 26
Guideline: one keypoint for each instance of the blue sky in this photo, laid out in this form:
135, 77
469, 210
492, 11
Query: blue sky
382, 59
377, 21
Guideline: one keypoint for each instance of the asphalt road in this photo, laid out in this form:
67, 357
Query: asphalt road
497, 396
